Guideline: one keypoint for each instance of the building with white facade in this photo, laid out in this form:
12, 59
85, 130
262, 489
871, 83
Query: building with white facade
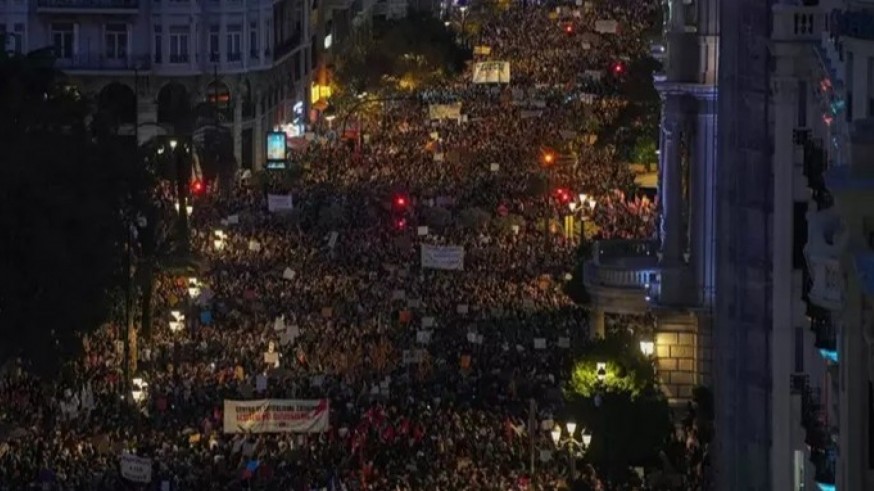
762, 278
147, 62
823, 137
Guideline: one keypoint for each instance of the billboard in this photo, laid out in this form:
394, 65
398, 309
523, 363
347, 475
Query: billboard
277, 150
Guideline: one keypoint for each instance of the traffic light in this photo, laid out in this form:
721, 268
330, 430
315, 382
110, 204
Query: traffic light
618, 68
401, 223
401, 201
569, 29
197, 187
563, 195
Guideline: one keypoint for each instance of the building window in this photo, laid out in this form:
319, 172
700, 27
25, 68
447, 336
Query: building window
62, 40
116, 41
159, 44
253, 39
235, 42
179, 44
214, 55
17, 39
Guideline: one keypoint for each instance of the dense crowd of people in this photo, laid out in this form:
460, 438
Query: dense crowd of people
429, 372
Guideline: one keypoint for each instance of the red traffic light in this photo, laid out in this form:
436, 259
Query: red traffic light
569, 29
618, 68
198, 187
563, 195
401, 223
401, 201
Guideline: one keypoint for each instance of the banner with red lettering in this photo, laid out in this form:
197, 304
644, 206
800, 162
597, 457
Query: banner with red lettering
276, 416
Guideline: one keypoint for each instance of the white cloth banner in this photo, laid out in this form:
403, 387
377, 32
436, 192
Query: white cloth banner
606, 26
444, 111
443, 257
491, 72
279, 202
276, 416
136, 469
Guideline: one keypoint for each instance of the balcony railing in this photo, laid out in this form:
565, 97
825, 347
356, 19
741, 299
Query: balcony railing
622, 277
609, 251
824, 330
89, 4
798, 23
817, 433
92, 62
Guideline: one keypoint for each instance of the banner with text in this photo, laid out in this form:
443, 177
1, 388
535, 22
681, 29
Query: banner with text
444, 111
443, 257
279, 202
136, 469
276, 416
491, 72
606, 26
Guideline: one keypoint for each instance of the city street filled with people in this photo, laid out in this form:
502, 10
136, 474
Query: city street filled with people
431, 365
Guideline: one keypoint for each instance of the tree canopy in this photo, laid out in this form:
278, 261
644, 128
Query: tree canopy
626, 414
67, 201
408, 52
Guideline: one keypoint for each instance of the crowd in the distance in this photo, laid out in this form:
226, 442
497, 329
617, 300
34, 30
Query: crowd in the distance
429, 372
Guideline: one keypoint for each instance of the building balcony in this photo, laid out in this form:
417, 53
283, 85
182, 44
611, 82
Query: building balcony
88, 63
827, 283
824, 332
815, 163
798, 23
858, 176
818, 435
88, 6
621, 274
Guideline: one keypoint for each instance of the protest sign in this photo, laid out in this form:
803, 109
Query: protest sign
136, 469
279, 202
443, 257
276, 416
491, 72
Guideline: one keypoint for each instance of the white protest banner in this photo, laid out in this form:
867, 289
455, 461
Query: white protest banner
422, 231
444, 111
471, 337
413, 356
332, 239
527, 114
443, 257
427, 322
136, 469
288, 274
254, 246
606, 26
423, 337
233, 219
439, 157
594, 75
587, 98
279, 202
494, 167
564, 342
491, 72
461, 308
276, 416
479, 339
539, 343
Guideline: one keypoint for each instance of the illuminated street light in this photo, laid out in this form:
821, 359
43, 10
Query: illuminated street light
173, 144
556, 435
571, 427
587, 439
601, 371
647, 347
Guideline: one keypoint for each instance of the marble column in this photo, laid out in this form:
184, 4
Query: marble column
238, 131
258, 134
671, 192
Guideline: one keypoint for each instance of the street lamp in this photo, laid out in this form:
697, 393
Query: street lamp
173, 144
572, 443
601, 372
647, 347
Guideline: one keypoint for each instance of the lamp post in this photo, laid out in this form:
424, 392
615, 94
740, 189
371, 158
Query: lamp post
181, 153
647, 347
571, 443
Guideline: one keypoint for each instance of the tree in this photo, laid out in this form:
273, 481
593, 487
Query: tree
627, 415
67, 202
411, 51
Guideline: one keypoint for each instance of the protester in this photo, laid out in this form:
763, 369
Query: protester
336, 287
